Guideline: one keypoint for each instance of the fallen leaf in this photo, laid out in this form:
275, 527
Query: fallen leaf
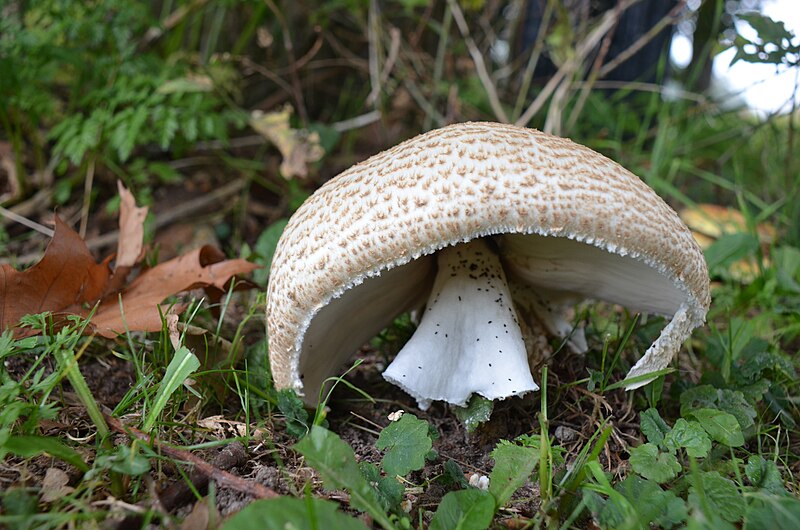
298, 147
189, 84
9, 184
67, 276
68, 281
131, 229
713, 221
54, 485
224, 428
709, 222
202, 517
203, 267
172, 329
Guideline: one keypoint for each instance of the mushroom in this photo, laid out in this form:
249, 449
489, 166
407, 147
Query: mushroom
476, 224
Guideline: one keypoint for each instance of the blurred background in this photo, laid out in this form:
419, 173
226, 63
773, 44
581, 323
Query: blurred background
177, 98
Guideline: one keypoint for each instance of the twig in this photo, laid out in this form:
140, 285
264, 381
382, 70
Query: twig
182, 210
221, 477
183, 492
266, 72
162, 219
29, 207
357, 121
373, 53
422, 102
26, 222
441, 50
593, 74
647, 87
477, 58
388, 65
311, 53
174, 18
297, 89
533, 60
87, 197
581, 52
394, 49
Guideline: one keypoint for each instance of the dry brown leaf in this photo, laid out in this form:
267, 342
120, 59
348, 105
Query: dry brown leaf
54, 485
68, 281
203, 267
298, 147
713, 221
9, 186
202, 517
66, 276
131, 229
172, 329
709, 222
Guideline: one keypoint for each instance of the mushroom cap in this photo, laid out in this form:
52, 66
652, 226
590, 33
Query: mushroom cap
358, 252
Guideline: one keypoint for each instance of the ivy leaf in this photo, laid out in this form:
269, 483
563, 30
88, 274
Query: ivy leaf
389, 489
407, 442
690, 436
719, 495
125, 460
755, 358
290, 513
653, 464
703, 396
724, 399
652, 504
294, 413
773, 512
764, 474
478, 410
471, 509
734, 403
721, 426
336, 462
513, 465
453, 475
653, 427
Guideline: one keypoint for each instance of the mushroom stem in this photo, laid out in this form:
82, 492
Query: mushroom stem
468, 340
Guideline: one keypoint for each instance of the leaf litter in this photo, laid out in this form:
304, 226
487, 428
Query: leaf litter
68, 281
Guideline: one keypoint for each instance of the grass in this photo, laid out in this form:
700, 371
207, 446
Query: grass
712, 443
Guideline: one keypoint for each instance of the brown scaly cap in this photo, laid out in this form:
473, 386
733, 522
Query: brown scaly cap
458, 183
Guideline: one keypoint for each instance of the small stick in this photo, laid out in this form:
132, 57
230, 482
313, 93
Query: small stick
477, 58
222, 478
163, 219
581, 52
87, 198
33, 225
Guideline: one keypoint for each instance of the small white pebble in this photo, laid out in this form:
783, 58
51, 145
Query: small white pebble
479, 481
565, 434
396, 415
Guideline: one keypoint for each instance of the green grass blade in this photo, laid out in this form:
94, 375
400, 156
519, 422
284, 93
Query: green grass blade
29, 446
182, 364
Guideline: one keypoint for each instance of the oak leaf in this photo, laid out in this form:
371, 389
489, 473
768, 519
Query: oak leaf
68, 281
66, 276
